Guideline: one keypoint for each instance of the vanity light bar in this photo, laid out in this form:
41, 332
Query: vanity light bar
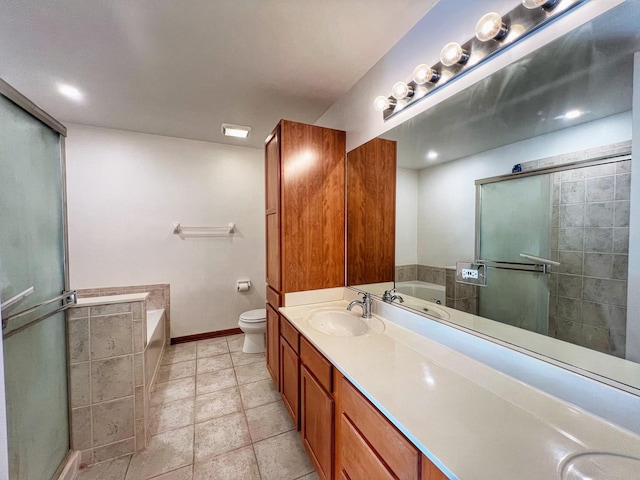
493, 33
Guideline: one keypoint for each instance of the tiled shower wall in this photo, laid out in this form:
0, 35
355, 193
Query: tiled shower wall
590, 239
159, 297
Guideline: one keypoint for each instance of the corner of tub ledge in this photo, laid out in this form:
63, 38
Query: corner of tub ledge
107, 299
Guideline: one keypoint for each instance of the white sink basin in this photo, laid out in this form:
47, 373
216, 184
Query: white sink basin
601, 466
343, 323
425, 306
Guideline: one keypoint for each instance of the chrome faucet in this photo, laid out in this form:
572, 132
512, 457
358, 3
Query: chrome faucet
365, 304
390, 297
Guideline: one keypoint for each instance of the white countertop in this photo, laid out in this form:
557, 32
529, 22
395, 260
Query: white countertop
472, 421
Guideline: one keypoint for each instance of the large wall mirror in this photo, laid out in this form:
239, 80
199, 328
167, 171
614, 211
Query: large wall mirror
563, 116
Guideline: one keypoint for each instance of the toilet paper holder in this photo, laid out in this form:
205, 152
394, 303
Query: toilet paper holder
243, 285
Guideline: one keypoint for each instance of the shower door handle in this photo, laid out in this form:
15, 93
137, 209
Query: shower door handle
70, 297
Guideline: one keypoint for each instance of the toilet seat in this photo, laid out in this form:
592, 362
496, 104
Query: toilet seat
254, 316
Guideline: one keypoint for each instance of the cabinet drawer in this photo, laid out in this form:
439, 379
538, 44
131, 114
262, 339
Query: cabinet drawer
358, 461
398, 453
273, 298
316, 364
290, 333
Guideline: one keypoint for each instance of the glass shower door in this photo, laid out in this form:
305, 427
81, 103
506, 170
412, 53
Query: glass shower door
515, 218
32, 255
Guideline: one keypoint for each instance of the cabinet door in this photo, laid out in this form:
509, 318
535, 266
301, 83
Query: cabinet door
273, 251
273, 345
290, 380
312, 207
371, 207
316, 419
272, 208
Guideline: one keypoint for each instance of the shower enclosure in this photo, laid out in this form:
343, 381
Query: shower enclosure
556, 244
514, 219
33, 288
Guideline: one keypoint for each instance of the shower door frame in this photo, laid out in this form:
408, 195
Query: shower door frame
14, 96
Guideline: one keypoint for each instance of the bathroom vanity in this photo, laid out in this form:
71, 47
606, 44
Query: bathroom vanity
383, 401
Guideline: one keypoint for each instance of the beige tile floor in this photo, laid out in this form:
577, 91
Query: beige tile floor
214, 414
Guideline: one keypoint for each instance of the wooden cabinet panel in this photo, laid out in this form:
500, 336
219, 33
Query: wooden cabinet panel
290, 381
290, 333
316, 423
357, 459
272, 172
315, 362
273, 345
430, 471
397, 452
273, 251
371, 206
311, 207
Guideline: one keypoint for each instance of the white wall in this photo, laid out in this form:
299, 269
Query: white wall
406, 216
124, 191
448, 20
446, 192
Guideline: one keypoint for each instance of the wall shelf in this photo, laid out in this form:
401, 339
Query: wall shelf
184, 231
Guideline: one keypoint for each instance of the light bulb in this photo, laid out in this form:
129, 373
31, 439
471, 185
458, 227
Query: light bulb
424, 73
453, 53
490, 27
546, 4
401, 90
382, 103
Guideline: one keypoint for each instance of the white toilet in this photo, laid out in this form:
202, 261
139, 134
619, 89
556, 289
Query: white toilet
254, 325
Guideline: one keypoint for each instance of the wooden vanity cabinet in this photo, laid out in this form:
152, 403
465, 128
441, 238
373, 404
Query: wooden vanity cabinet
304, 221
317, 408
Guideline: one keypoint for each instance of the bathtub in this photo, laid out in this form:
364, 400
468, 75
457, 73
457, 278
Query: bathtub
154, 346
424, 291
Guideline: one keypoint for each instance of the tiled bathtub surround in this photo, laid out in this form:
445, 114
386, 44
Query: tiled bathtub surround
460, 296
159, 297
106, 361
422, 273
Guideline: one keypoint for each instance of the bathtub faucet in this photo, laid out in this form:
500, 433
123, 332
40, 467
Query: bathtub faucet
390, 297
365, 304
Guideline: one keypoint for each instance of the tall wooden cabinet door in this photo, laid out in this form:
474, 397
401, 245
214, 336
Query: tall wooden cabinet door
290, 380
272, 211
273, 345
312, 207
371, 207
316, 423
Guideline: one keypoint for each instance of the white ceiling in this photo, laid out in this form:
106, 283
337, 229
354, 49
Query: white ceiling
180, 68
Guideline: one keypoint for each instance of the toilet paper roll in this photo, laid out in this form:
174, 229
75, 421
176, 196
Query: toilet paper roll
243, 286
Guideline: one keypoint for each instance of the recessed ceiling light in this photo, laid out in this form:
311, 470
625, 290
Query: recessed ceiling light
235, 130
571, 114
431, 155
70, 91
